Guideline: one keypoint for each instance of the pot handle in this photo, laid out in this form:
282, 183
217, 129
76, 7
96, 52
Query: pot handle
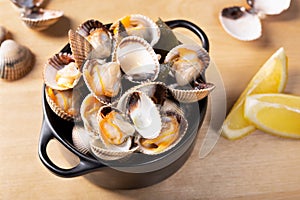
192, 27
83, 167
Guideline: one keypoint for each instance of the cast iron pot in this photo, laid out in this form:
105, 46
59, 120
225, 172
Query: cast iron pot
139, 170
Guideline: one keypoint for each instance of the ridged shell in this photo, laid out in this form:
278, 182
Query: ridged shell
55, 65
88, 110
81, 139
3, 34
139, 25
143, 113
80, 47
102, 79
173, 129
40, 19
189, 95
100, 151
15, 60
137, 59
189, 62
67, 97
98, 36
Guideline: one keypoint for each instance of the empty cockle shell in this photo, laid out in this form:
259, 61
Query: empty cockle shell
174, 127
98, 36
139, 25
142, 112
100, 151
190, 94
115, 130
15, 60
40, 19
137, 59
88, 110
102, 79
189, 61
245, 23
3, 34
81, 139
61, 73
62, 103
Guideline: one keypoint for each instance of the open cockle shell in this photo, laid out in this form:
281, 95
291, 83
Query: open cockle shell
60, 72
102, 79
143, 113
81, 139
189, 61
62, 103
28, 3
98, 36
245, 24
115, 131
137, 59
89, 110
241, 24
138, 25
40, 19
100, 151
174, 127
189, 95
15, 60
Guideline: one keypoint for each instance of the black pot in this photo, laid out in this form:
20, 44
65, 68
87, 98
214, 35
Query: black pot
138, 170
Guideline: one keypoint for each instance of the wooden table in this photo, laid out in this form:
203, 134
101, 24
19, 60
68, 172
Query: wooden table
259, 166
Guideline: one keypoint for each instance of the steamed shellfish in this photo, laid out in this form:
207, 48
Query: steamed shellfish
142, 112
139, 25
98, 36
61, 72
102, 79
174, 127
115, 131
62, 103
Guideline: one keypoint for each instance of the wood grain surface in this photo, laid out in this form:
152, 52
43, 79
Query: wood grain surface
259, 166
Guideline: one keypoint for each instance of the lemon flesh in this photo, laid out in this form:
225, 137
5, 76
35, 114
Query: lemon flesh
278, 114
270, 78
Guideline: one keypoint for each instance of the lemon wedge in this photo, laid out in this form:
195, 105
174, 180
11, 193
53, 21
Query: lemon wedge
278, 114
270, 78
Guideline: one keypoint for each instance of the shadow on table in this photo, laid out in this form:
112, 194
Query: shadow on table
59, 29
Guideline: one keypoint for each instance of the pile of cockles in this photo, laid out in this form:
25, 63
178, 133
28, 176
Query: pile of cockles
16, 60
123, 96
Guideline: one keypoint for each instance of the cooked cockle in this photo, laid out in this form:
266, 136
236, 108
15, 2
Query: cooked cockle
138, 25
66, 76
102, 79
61, 72
98, 36
62, 103
174, 127
142, 112
115, 131
88, 111
189, 62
